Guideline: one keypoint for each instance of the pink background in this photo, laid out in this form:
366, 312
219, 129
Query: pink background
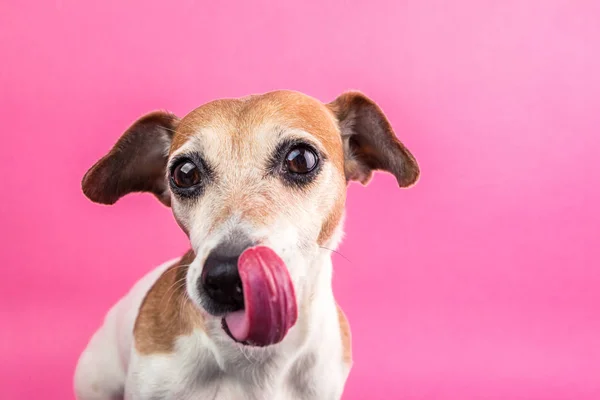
482, 282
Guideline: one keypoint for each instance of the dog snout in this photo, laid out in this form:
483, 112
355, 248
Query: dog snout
220, 280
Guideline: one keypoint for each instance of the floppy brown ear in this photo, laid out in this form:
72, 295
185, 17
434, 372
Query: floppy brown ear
137, 162
369, 141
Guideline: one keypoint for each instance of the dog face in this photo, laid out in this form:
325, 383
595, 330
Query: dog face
266, 170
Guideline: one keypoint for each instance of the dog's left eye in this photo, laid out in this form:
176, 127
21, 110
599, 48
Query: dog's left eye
301, 160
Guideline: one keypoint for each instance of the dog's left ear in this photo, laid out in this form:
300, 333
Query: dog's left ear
136, 163
369, 141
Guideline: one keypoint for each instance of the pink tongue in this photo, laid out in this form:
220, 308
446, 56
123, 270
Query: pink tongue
269, 300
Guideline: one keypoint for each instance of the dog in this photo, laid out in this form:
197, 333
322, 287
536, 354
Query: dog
258, 184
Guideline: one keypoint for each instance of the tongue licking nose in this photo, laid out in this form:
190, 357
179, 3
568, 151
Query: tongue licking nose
269, 300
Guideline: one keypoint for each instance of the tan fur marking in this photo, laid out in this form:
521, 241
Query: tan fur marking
300, 111
166, 311
235, 120
239, 117
346, 336
217, 114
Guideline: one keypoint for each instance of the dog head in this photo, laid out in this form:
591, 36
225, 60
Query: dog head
267, 170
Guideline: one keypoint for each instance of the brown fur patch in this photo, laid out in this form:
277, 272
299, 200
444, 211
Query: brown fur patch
166, 312
346, 336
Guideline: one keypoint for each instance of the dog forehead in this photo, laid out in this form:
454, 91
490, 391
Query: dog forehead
243, 118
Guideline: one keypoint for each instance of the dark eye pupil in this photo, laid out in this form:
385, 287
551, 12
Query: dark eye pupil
186, 175
301, 161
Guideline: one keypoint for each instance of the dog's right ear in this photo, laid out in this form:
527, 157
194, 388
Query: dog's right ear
136, 163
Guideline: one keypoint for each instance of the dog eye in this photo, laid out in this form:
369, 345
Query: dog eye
301, 160
186, 174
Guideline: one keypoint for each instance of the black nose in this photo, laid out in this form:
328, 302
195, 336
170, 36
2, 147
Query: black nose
221, 281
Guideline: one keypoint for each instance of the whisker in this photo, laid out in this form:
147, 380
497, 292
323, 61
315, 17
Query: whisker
172, 286
175, 289
336, 252
183, 303
168, 129
180, 122
242, 350
175, 286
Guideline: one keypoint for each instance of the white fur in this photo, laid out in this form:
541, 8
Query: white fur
202, 367
102, 367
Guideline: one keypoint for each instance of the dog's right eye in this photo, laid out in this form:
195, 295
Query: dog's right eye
186, 175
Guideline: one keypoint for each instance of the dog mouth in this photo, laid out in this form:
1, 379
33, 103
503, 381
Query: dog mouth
270, 308
228, 332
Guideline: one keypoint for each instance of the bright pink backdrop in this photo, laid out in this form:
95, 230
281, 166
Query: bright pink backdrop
482, 282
